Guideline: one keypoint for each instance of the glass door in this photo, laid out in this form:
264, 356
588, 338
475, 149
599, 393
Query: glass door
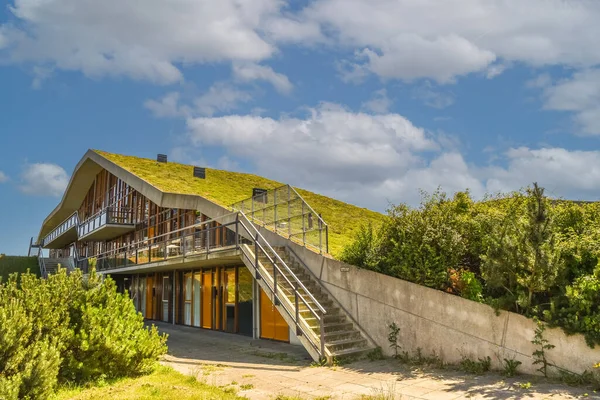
207, 299
187, 298
166, 295
197, 296
228, 284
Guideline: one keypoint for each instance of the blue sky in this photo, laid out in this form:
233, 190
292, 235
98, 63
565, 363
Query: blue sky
367, 101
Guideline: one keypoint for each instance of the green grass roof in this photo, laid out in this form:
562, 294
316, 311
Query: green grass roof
226, 188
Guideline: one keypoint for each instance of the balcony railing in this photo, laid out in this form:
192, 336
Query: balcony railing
70, 223
108, 216
195, 240
285, 212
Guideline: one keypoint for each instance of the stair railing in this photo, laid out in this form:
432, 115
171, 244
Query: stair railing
41, 263
284, 211
273, 258
324, 288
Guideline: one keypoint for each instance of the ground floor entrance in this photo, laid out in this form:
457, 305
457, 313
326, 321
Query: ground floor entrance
218, 298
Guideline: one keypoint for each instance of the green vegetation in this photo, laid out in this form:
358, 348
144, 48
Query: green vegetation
520, 252
17, 264
164, 383
226, 188
68, 329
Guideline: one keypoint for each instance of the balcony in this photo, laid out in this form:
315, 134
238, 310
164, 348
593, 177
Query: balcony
63, 234
107, 224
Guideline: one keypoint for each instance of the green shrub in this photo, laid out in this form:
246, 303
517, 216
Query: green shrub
68, 328
520, 252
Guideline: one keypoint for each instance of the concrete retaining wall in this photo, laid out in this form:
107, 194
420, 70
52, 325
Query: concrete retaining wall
437, 322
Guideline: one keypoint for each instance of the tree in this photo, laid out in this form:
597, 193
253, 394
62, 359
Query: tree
522, 256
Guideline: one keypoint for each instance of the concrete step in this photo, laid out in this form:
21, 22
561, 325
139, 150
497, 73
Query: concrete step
346, 344
342, 335
335, 327
350, 353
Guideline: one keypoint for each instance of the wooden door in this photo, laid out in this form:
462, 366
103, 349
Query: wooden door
149, 297
207, 299
272, 324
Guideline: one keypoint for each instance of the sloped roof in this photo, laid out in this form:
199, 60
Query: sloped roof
225, 188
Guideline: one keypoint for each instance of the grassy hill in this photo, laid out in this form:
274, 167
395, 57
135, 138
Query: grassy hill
20, 264
226, 188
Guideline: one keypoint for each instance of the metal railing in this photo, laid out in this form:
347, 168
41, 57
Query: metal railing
42, 264
276, 267
72, 221
109, 215
197, 239
285, 212
240, 234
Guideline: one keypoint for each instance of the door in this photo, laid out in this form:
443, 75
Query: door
166, 295
207, 299
229, 291
187, 299
272, 324
197, 296
149, 297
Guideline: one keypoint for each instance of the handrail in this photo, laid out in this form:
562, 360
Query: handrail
42, 264
298, 285
309, 206
258, 234
284, 209
134, 244
324, 287
280, 269
66, 220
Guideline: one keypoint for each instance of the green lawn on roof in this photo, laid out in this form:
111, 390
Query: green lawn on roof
226, 188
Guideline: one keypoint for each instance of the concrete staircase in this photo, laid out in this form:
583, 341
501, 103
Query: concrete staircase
343, 338
52, 264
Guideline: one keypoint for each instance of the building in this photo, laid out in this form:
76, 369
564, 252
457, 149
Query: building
208, 248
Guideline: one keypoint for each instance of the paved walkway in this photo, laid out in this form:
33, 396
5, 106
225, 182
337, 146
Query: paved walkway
260, 369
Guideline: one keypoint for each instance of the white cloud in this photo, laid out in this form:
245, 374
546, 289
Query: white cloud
380, 103
431, 97
44, 179
408, 39
570, 174
579, 94
248, 72
168, 106
330, 148
3, 177
148, 42
372, 160
40, 74
409, 57
220, 97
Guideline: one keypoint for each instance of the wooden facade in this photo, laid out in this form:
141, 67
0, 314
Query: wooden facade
217, 298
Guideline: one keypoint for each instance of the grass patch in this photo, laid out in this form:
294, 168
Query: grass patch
163, 383
226, 188
20, 264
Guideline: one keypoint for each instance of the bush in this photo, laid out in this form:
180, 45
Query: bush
521, 252
68, 328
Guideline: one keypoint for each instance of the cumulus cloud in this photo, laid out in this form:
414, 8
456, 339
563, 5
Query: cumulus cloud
114, 37
248, 72
3, 177
579, 94
375, 159
43, 179
405, 39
